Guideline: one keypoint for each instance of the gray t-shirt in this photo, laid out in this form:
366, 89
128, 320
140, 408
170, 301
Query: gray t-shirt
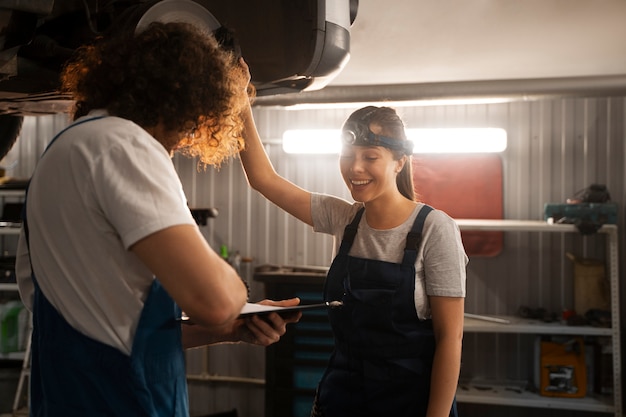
441, 259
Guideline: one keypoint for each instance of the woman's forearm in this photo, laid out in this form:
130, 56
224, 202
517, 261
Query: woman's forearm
445, 376
255, 162
263, 178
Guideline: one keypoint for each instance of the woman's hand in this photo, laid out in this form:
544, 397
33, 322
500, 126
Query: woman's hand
244, 89
246, 70
267, 328
244, 81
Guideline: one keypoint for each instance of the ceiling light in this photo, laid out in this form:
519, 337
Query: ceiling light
433, 140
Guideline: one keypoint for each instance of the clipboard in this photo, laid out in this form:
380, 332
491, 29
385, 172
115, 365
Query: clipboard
250, 309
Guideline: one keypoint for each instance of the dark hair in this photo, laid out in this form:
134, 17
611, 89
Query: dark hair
173, 73
393, 128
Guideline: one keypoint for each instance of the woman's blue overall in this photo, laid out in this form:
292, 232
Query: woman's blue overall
381, 365
73, 375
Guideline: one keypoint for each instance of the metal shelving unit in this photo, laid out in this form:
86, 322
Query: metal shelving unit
512, 396
13, 232
521, 325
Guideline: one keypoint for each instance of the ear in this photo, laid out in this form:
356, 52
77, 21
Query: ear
400, 163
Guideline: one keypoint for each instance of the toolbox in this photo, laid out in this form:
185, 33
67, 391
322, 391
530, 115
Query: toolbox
295, 364
598, 213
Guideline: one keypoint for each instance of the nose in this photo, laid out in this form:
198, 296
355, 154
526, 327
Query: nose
355, 165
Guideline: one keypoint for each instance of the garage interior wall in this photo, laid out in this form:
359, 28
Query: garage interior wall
555, 148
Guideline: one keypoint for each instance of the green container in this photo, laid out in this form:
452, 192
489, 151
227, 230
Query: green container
12, 326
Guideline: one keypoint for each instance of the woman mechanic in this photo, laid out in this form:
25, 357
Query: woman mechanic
399, 269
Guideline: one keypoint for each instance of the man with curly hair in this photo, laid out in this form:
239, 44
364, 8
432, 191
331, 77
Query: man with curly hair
110, 253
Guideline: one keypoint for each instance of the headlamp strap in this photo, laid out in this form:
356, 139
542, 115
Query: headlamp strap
405, 146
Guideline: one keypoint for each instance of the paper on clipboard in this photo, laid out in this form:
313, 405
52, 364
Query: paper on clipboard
253, 308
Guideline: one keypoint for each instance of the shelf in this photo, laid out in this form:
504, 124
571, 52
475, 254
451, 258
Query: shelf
523, 226
5, 230
9, 286
521, 325
513, 396
6, 192
12, 356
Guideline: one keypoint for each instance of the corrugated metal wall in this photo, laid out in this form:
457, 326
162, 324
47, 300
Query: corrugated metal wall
556, 147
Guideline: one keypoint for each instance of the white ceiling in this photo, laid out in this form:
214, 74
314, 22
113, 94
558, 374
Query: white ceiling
426, 41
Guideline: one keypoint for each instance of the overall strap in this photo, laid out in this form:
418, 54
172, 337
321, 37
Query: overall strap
350, 232
24, 221
69, 127
414, 237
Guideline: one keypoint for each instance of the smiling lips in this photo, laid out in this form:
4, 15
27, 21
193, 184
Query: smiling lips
360, 182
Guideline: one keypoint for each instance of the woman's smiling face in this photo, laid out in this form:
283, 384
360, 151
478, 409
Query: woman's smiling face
369, 171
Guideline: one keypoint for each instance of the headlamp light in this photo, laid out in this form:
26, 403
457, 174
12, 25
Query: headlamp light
349, 134
358, 133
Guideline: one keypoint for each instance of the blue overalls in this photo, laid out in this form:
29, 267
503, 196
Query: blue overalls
73, 375
382, 361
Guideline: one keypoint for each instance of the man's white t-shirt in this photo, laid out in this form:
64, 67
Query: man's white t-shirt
102, 186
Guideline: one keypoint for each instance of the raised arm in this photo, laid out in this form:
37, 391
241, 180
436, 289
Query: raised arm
263, 178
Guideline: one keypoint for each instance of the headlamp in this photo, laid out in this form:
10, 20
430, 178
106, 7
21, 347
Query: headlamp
359, 135
356, 131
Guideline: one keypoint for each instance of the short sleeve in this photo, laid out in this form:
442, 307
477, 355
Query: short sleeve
137, 188
445, 260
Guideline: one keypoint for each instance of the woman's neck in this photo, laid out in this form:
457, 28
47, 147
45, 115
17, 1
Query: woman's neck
388, 213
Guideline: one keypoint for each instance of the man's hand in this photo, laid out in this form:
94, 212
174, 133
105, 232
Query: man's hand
265, 329
262, 330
